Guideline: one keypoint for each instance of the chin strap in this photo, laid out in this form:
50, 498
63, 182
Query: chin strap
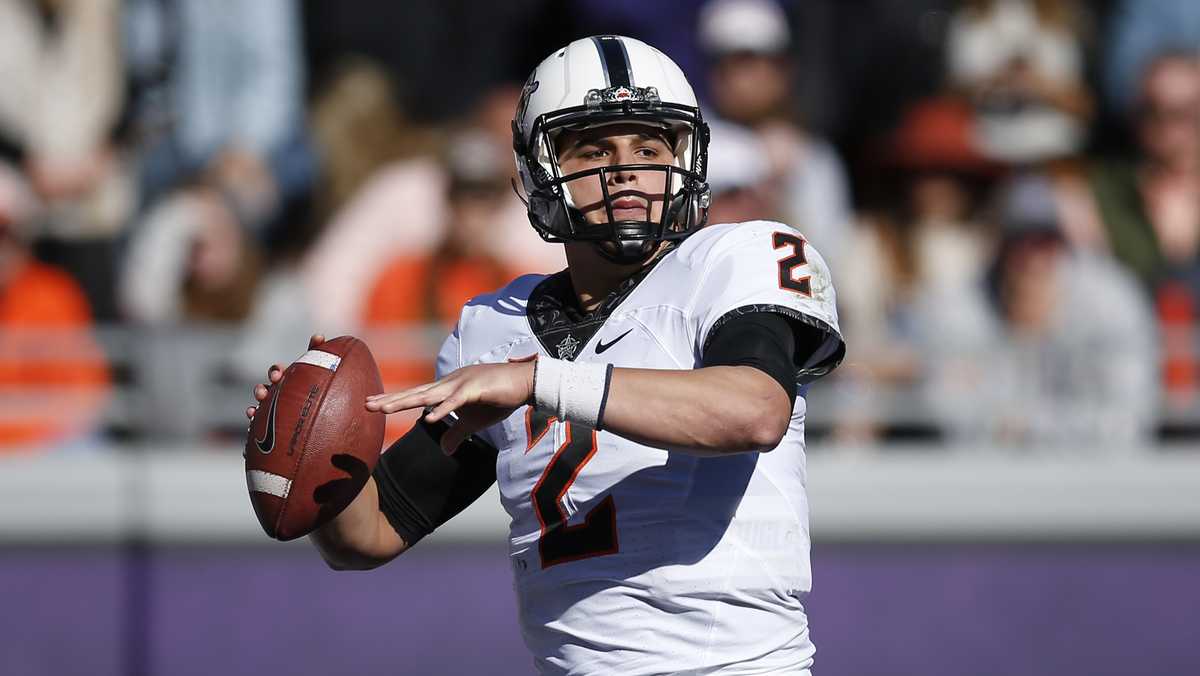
517, 192
627, 252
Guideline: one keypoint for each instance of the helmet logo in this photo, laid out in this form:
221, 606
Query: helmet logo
621, 94
531, 86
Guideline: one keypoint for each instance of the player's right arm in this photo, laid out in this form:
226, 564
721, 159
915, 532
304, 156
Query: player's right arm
414, 489
360, 538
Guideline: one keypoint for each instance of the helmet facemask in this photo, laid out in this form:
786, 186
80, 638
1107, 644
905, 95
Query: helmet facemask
684, 197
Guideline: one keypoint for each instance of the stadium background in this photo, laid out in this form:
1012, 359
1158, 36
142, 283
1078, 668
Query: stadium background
1004, 473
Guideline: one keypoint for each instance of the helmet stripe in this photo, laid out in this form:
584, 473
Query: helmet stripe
615, 60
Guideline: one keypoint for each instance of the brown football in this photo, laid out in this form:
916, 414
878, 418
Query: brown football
312, 443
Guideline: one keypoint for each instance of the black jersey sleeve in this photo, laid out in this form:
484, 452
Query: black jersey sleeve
769, 342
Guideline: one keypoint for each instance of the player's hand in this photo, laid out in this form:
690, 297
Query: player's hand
274, 375
483, 395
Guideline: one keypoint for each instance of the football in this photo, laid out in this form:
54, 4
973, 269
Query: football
312, 444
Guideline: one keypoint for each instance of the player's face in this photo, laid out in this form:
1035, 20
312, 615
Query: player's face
635, 195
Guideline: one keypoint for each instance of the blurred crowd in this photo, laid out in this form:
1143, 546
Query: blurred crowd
1007, 192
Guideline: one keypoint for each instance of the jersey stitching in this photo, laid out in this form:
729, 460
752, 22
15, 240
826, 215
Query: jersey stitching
655, 338
792, 512
725, 587
783, 494
708, 266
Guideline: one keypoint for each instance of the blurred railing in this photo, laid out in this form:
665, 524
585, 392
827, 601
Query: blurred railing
169, 424
197, 494
191, 383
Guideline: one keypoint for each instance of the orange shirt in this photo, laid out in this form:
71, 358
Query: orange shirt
54, 378
410, 295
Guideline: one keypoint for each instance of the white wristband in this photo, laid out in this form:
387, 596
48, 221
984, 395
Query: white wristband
573, 392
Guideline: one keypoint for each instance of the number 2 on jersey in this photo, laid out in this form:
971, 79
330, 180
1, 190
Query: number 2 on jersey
787, 266
560, 543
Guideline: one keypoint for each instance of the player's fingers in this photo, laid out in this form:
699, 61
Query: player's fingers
402, 401
446, 407
402, 393
315, 340
406, 399
260, 392
381, 402
384, 403
275, 373
250, 410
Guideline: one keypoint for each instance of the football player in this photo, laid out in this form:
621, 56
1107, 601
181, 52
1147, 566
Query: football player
642, 410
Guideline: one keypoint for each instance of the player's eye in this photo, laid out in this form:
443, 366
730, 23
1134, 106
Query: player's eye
594, 154
648, 151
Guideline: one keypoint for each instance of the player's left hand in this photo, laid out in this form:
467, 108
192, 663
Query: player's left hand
482, 395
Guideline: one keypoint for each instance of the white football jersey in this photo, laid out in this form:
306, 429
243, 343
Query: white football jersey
633, 560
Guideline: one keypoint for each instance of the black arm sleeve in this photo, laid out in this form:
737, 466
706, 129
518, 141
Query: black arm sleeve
769, 342
420, 488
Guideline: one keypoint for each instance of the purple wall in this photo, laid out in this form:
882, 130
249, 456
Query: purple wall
927, 610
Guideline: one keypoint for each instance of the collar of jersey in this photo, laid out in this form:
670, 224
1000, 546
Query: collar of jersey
554, 311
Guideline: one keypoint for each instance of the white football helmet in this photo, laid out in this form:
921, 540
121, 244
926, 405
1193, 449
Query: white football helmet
609, 79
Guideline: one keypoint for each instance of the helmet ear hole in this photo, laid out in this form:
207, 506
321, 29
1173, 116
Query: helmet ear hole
519, 146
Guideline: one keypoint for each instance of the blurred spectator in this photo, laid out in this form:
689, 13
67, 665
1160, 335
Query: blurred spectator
432, 288
221, 86
359, 128
1138, 31
62, 89
511, 239
1020, 63
399, 208
738, 175
191, 261
1056, 348
750, 84
417, 297
190, 277
217, 115
1150, 207
380, 192
922, 243
59, 108
53, 376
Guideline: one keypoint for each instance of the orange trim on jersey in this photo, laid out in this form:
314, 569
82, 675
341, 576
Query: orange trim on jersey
607, 505
533, 440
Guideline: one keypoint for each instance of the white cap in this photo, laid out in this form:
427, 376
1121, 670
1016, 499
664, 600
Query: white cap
737, 159
758, 26
473, 157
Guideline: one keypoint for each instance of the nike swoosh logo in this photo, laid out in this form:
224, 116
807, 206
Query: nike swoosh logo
601, 346
267, 443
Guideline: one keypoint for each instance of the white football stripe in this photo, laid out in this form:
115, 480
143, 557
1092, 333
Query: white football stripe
326, 360
266, 482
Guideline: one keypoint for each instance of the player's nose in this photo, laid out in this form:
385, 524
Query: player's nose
622, 156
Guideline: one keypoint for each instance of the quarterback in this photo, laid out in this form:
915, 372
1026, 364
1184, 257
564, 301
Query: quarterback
642, 411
